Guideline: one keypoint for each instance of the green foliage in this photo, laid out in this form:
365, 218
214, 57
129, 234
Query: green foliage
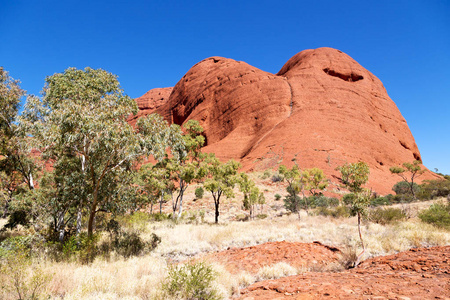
438, 215
409, 172
378, 201
292, 202
315, 180
435, 188
221, 179
17, 166
387, 215
199, 192
18, 217
136, 221
354, 176
186, 165
190, 281
252, 195
80, 123
21, 277
277, 197
267, 173
335, 212
322, 201
261, 216
403, 187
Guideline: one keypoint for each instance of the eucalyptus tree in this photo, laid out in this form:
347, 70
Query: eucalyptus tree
16, 165
221, 179
83, 114
185, 165
409, 172
296, 185
315, 182
156, 183
252, 195
353, 177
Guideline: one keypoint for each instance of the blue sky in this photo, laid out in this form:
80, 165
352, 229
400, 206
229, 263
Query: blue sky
151, 44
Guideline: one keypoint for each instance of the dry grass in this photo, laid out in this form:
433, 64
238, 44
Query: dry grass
139, 277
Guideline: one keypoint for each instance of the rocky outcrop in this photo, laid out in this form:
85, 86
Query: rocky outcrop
321, 109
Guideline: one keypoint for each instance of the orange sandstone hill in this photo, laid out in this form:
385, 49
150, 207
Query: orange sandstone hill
321, 109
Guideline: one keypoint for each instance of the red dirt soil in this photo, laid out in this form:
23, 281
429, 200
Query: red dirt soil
421, 273
298, 255
321, 109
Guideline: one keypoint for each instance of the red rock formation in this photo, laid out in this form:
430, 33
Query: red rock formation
321, 109
152, 101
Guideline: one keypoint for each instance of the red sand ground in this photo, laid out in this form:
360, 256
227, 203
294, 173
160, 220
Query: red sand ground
422, 273
298, 255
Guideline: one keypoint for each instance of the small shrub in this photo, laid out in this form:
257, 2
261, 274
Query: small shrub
190, 281
21, 277
18, 217
199, 192
388, 215
438, 215
261, 216
322, 201
349, 257
161, 217
267, 173
194, 216
335, 212
403, 188
348, 198
378, 201
277, 178
137, 220
130, 244
435, 188
277, 197
293, 202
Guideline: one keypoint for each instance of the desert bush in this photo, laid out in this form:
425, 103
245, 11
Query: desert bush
190, 281
261, 216
322, 201
335, 212
127, 244
195, 217
277, 197
267, 173
199, 192
380, 200
438, 215
403, 188
22, 278
137, 220
434, 188
348, 198
158, 217
18, 217
349, 257
277, 177
292, 202
388, 215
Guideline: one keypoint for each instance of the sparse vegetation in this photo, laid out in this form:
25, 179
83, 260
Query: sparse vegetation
387, 215
190, 281
438, 215
89, 229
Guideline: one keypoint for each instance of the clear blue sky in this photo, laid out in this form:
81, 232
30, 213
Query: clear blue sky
152, 44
